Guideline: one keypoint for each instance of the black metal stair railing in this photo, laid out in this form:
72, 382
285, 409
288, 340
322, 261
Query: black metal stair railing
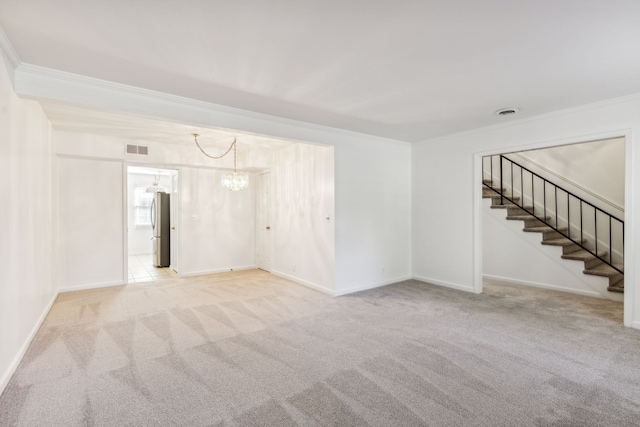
593, 229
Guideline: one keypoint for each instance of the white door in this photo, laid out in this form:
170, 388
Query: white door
263, 221
173, 213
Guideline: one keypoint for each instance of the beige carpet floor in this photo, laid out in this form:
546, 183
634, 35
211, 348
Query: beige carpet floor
251, 349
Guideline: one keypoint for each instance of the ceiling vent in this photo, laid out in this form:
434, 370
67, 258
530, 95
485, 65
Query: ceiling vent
137, 149
507, 111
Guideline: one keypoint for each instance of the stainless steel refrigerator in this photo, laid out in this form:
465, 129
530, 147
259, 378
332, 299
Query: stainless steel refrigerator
160, 222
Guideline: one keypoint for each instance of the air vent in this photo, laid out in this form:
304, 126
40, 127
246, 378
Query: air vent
137, 149
507, 111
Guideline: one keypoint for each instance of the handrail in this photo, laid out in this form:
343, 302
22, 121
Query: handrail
590, 245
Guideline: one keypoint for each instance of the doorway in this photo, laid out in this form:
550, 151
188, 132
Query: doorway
143, 239
575, 185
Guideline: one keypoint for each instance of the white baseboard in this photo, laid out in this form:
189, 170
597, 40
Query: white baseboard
546, 286
303, 282
91, 286
455, 286
370, 286
634, 325
217, 271
6, 376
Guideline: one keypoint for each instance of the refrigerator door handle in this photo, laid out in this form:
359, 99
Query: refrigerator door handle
153, 215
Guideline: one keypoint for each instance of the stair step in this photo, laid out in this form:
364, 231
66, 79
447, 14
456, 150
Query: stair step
603, 270
529, 218
589, 259
544, 229
616, 279
548, 233
496, 189
618, 287
492, 195
583, 255
522, 217
519, 210
563, 241
509, 205
570, 249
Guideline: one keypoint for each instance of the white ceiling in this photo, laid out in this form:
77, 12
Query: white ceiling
403, 69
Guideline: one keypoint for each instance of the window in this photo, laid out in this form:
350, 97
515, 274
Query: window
142, 203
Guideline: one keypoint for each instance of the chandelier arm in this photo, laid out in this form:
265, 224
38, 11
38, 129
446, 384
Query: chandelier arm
233, 144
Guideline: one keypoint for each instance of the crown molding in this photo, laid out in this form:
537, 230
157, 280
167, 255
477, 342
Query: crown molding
7, 48
26, 74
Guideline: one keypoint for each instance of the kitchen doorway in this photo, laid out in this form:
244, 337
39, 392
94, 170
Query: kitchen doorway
152, 217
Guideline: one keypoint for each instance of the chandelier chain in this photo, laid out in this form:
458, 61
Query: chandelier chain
235, 181
233, 145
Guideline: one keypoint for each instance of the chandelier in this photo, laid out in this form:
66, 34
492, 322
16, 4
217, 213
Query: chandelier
232, 181
156, 187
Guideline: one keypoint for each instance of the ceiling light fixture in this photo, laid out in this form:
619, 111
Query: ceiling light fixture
507, 111
235, 181
156, 187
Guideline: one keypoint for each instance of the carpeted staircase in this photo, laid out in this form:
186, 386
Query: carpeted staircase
551, 237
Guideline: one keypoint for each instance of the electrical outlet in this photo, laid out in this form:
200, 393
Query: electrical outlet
194, 217
293, 266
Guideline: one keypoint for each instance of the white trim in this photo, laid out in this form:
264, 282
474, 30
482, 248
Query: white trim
217, 271
6, 376
91, 286
7, 47
125, 223
550, 143
82, 157
303, 282
370, 286
47, 83
477, 224
631, 291
449, 285
546, 286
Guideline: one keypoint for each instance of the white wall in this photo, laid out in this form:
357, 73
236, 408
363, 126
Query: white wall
447, 238
27, 287
90, 250
373, 214
217, 226
302, 182
593, 170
